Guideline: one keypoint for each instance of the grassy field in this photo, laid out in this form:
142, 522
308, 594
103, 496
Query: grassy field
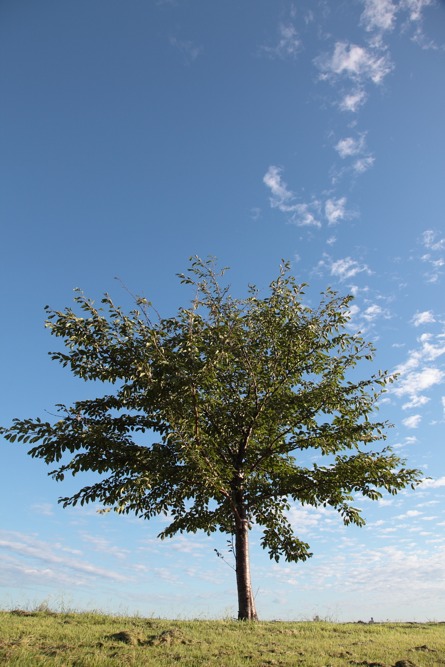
34, 638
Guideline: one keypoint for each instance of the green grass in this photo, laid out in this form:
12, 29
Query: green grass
35, 638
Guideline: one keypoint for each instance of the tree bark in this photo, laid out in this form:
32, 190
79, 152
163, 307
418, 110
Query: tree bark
246, 602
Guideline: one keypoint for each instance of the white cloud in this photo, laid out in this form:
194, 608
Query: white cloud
410, 514
425, 317
434, 244
289, 44
416, 402
371, 573
306, 518
408, 441
431, 351
428, 352
436, 265
301, 214
306, 214
421, 370
33, 553
413, 421
189, 544
348, 268
363, 164
166, 574
355, 147
415, 382
379, 15
105, 546
372, 312
430, 240
280, 193
335, 210
415, 8
350, 146
353, 101
433, 483
355, 62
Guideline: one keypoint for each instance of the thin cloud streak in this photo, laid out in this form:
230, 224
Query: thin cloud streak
28, 547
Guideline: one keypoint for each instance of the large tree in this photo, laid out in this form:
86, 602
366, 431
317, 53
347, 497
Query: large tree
215, 411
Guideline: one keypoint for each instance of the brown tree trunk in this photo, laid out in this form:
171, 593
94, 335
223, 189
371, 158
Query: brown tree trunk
246, 602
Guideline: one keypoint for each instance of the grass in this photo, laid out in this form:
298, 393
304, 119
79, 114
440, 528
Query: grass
37, 638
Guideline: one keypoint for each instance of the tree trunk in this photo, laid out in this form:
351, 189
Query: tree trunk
246, 602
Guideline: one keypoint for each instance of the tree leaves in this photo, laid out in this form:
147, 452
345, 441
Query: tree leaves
213, 409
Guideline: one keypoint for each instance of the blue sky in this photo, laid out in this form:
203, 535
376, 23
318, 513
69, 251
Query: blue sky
134, 135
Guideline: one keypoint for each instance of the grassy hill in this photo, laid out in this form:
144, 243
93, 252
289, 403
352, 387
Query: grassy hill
35, 638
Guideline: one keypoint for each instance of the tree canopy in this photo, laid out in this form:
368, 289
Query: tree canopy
214, 411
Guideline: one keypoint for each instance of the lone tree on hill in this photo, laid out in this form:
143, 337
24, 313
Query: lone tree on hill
215, 411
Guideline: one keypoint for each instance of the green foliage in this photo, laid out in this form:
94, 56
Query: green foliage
213, 411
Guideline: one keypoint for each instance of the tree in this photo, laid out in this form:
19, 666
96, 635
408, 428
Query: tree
215, 411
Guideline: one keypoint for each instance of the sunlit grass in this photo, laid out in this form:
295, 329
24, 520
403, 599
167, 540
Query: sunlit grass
34, 638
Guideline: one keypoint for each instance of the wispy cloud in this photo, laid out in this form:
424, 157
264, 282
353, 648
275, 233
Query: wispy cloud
415, 8
350, 146
306, 214
363, 164
45, 509
413, 421
166, 574
303, 214
431, 241
335, 210
373, 312
105, 546
433, 483
416, 401
421, 371
33, 555
343, 268
425, 317
289, 43
358, 63
379, 15
299, 213
279, 190
353, 101
348, 268
410, 514
415, 382
373, 572
189, 51
306, 518
434, 258
355, 147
